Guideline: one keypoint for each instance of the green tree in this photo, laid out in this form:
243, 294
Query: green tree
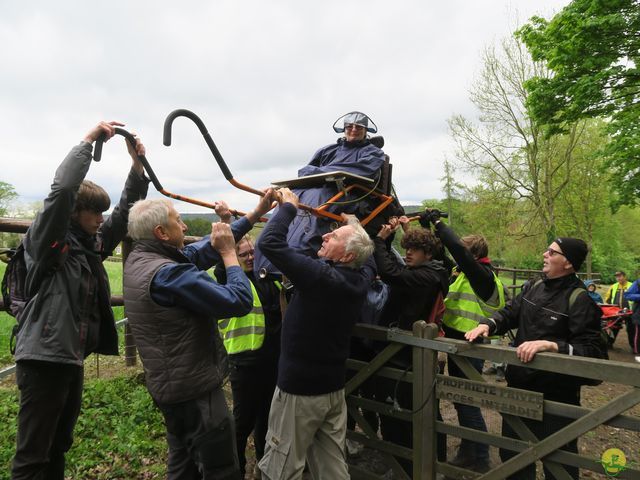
507, 149
198, 226
583, 210
452, 190
593, 49
7, 196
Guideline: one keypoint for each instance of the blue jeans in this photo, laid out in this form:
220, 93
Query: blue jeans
470, 417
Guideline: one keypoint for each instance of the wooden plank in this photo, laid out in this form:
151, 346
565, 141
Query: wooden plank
383, 357
568, 458
425, 364
402, 336
469, 370
605, 370
627, 422
514, 422
386, 372
522, 403
371, 332
565, 435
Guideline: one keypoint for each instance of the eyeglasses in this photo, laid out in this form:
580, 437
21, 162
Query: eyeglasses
553, 252
352, 126
246, 254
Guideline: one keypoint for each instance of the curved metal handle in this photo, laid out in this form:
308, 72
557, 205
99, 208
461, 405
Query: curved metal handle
166, 139
181, 112
97, 155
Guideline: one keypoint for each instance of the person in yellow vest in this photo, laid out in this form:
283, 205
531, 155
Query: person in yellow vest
615, 294
475, 294
253, 345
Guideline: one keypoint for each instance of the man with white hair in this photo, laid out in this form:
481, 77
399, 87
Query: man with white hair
173, 305
308, 412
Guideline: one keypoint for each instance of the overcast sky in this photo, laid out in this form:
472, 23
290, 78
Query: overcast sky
268, 78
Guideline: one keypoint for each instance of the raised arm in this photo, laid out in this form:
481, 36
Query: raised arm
47, 233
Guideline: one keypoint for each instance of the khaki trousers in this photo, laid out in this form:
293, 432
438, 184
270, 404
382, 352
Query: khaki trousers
303, 427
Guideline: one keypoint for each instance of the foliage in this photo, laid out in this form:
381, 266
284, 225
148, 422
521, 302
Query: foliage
593, 49
119, 434
198, 226
452, 192
7, 195
507, 150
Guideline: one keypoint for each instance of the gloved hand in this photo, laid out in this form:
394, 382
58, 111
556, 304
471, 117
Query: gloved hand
429, 216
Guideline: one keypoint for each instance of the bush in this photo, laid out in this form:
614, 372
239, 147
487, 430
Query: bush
120, 433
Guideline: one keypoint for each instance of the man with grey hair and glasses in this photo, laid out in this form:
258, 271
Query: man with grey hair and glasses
308, 412
173, 305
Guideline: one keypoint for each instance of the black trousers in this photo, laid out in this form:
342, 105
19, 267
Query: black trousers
201, 439
633, 333
252, 386
50, 399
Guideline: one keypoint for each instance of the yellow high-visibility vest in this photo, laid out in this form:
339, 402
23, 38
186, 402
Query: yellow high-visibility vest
241, 334
464, 309
614, 290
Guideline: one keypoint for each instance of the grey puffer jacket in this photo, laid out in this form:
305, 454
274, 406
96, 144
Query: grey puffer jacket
55, 323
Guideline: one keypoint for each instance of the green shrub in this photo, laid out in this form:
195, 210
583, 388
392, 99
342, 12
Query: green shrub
119, 435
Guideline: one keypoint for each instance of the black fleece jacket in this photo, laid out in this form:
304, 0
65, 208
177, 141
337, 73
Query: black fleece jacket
413, 289
542, 312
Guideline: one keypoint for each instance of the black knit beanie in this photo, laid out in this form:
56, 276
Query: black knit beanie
574, 249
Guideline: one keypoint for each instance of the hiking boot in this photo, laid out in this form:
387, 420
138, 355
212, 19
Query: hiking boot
490, 370
463, 460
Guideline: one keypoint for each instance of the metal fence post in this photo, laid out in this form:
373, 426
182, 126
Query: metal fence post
130, 355
425, 363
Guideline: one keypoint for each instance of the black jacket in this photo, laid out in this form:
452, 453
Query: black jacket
480, 275
413, 289
542, 312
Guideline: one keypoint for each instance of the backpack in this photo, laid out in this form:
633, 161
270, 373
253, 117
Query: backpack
14, 295
14, 282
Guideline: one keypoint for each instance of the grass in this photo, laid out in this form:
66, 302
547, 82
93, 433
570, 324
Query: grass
119, 435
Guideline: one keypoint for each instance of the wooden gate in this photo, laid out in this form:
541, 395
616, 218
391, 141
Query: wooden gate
512, 404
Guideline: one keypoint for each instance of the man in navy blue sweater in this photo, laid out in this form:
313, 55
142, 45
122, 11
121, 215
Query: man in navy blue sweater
308, 412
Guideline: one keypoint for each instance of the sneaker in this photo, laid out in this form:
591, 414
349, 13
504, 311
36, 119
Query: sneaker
638, 359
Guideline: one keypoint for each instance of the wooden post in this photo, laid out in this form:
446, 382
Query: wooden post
425, 363
130, 355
